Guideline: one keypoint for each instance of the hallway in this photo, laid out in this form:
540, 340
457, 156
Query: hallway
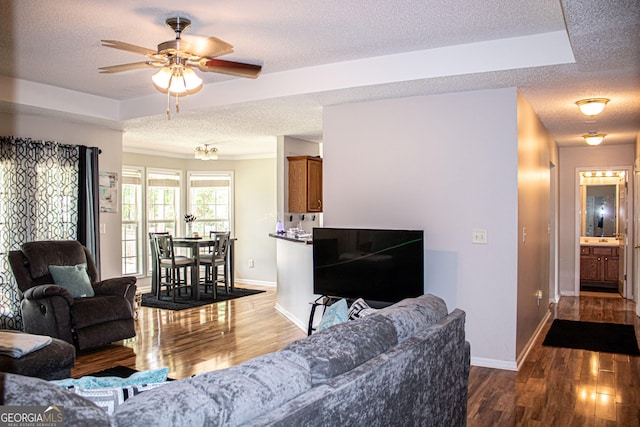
561, 386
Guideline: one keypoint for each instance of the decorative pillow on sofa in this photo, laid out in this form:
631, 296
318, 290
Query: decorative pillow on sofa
109, 398
73, 278
336, 313
359, 309
90, 382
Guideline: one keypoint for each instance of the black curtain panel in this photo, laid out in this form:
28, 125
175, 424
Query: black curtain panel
39, 188
88, 201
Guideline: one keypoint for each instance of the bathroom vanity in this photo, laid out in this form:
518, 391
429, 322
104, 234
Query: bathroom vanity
599, 266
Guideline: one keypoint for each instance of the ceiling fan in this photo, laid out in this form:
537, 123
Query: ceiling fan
177, 58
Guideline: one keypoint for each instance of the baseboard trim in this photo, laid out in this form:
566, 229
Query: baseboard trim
523, 355
569, 294
291, 317
254, 282
494, 364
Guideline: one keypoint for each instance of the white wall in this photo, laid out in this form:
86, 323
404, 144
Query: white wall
70, 132
446, 164
255, 208
572, 158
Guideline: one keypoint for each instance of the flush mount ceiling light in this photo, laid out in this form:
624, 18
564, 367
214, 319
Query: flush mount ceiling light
206, 153
592, 106
594, 138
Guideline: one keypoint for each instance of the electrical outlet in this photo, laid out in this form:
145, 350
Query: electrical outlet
479, 236
251, 263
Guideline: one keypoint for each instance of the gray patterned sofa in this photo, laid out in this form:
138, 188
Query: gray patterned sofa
407, 364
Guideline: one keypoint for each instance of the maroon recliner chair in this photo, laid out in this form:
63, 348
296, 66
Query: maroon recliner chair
48, 309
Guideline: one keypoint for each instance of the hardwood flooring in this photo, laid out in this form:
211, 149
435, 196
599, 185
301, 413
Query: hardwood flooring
561, 386
197, 340
554, 387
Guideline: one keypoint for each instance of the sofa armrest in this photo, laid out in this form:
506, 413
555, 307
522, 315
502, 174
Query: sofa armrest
48, 291
123, 286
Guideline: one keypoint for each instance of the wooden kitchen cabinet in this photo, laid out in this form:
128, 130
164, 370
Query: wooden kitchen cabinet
599, 264
305, 184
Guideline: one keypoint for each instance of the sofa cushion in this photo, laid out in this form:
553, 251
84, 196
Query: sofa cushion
73, 278
412, 315
343, 347
226, 397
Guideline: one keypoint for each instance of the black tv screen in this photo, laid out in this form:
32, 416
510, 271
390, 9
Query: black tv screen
377, 265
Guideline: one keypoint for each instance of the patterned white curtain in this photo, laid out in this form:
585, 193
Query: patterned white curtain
38, 201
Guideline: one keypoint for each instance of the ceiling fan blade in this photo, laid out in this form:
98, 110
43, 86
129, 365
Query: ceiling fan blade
239, 69
126, 67
209, 47
128, 47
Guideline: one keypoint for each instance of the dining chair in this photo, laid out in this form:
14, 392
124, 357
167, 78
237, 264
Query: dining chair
171, 265
155, 271
217, 258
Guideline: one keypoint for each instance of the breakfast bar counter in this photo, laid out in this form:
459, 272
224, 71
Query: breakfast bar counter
294, 268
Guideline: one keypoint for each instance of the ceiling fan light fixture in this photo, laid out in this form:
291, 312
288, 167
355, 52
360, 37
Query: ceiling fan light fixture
177, 80
162, 78
594, 138
191, 79
592, 106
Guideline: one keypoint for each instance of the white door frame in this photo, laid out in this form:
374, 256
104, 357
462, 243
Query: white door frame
630, 291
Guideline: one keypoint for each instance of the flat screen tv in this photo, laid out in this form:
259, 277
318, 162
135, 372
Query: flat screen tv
377, 265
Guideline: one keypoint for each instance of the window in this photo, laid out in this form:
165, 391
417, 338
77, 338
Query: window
163, 201
152, 202
132, 229
211, 201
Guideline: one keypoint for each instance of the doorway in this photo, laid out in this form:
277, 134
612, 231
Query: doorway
602, 230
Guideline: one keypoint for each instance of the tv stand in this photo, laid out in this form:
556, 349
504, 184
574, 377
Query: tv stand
324, 301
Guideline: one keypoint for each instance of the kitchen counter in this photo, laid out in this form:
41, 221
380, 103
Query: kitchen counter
294, 265
307, 240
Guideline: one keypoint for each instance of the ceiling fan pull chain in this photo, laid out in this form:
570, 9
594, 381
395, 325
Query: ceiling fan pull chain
168, 105
177, 104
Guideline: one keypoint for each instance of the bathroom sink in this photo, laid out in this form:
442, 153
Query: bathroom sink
598, 241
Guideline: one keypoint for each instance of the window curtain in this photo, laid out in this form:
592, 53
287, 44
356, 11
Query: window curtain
88, 202
39, 200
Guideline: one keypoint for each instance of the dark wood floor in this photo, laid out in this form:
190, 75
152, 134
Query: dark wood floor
560, 386
555, 386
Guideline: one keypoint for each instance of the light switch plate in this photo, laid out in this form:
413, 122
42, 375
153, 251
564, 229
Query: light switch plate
479, 236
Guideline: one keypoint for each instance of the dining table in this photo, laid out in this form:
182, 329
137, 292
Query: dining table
195, 244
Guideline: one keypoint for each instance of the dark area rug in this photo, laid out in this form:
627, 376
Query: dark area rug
184, 301
593, 336
117, 371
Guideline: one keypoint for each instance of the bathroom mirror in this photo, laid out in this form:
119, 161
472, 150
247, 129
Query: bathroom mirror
600, 211
599, 203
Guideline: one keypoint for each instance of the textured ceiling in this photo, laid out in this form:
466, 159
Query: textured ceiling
301, 43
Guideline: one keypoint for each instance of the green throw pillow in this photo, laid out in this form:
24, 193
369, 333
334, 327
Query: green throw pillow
73, 278
336, 313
